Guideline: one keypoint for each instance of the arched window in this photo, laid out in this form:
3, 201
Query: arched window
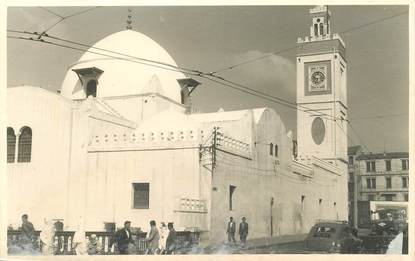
11, 145
25, 145
271, 149
276, 150
91, 88
321, 29
315, 30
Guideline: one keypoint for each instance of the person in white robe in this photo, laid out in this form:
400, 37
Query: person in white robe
47, 237
79, 240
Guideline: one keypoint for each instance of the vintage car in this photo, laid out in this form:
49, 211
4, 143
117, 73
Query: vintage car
333, 237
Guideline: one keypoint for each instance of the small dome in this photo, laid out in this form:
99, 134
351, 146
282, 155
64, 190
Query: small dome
124, 77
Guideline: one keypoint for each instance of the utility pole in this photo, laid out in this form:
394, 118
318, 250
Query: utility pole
214, 144
272, 224
356, 179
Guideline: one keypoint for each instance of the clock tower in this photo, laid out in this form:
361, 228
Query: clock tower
322, 92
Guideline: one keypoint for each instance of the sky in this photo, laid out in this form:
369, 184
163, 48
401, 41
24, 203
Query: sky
215, 37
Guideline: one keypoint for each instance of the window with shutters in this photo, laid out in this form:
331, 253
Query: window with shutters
11, 145
141, 198
388, 182
25, 145
405, 164
231, 191
371, 183
351, 160
404, 182
370, 166
388, 165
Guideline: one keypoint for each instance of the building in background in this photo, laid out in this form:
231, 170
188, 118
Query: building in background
119, 142
353, 152
381, 180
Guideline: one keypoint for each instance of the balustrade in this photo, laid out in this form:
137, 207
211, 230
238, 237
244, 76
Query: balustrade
63, 241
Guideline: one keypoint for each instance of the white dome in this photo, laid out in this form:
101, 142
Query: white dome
121, 77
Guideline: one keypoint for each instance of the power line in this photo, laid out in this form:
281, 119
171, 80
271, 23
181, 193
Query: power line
254, 59
294, 47
179, 69
357, 135
265, 97
277, 98
62, 18
182, 69
51, 12
84, 50
373, 22
380, 116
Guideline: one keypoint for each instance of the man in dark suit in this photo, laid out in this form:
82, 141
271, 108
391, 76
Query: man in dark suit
243, 231
171, 243
231, 230
28, 233
123, 238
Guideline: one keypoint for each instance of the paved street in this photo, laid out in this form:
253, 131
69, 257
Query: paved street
287, 248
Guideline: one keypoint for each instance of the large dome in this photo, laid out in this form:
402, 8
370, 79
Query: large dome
121, 77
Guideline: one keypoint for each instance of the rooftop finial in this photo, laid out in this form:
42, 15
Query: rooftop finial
129, 21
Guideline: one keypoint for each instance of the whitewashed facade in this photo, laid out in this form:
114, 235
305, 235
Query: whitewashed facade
132, 150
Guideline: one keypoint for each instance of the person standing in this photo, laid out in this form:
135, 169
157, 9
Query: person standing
164, 232
79, 241
28, 233
231, 230
171, 243
47, 238
153, 239
243, 230
124, 238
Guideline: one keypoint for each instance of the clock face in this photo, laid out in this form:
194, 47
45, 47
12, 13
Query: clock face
317, 78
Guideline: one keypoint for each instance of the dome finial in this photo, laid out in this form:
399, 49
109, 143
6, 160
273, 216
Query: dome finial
129, 21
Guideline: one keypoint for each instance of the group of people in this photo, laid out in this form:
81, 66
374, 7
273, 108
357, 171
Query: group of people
163, 241
168, 237
242, 231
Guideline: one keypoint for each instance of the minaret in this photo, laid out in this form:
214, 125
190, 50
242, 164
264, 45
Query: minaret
129, 21
322, 91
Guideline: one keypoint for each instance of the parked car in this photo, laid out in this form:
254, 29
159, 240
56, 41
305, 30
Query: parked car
333, 237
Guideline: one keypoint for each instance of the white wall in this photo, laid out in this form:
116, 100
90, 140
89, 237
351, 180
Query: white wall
39, 187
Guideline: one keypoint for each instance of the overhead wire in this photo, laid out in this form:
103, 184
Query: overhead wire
62, 18
358, 137
294, 47
380, 116
106, 55
193, 72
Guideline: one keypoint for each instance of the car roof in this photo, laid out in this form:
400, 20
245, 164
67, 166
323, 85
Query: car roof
332, 224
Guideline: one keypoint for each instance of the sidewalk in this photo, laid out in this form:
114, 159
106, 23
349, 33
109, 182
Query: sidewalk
256, 243
271, 241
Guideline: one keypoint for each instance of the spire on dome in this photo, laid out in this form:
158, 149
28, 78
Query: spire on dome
129, 21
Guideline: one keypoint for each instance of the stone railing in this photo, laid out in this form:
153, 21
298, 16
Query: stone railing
63, 242
233, 144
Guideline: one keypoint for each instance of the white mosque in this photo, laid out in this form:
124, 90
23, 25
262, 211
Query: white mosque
119, 142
